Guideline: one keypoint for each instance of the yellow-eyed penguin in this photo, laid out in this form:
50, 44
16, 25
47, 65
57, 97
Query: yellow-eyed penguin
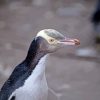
28, 81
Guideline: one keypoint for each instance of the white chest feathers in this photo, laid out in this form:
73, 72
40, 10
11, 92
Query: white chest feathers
35, 87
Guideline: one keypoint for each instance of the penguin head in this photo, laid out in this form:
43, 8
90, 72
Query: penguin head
51, 40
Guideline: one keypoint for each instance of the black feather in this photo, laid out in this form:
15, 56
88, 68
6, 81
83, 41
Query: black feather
12, 98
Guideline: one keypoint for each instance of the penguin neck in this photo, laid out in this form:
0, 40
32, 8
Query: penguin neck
39, 71
32, 60
38, 74
35, 60
34, 54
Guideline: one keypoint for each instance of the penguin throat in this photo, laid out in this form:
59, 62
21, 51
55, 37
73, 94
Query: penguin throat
34, 53
33, 59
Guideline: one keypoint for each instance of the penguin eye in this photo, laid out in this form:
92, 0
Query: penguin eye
51, 40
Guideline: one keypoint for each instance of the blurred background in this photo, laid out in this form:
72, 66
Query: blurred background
73, 73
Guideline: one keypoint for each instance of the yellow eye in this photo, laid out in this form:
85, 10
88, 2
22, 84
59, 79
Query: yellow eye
51, 40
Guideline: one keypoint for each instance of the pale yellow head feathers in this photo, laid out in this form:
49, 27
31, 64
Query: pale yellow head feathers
52, 36
55, 38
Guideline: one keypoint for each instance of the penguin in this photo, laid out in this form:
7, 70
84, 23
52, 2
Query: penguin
28, 80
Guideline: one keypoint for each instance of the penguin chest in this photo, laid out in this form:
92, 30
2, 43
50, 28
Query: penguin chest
37, 91
35, 86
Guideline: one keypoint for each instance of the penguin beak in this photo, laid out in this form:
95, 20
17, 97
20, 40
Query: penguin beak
68, 41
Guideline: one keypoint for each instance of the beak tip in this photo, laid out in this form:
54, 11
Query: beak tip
77, 42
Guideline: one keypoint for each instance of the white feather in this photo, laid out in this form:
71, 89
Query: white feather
35, 87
